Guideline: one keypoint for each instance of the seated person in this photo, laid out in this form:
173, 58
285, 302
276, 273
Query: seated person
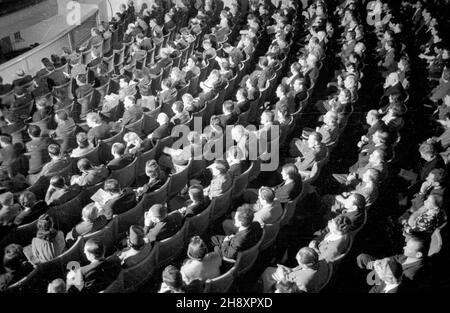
190, 104
135, 144
200, 265
90, 175
292, 184
330, 129
214, 129
37, 149
120, 158
197, 202
91, 222
84, 146
181, 116
163, 130
159, 225
234, 158
57, 286
57, 163
32, 208
97, 275
267, 210
133, 113
336, 242
221, 180
156, 178
307, 152
59, 193
9, 210
98, 129
43, 110
48, 243
120, 201
15, 264
135, 244
249, 233
311, 274
393, 117
390, 273
374, 121
229, 116
172, 281
177, 159
242, 103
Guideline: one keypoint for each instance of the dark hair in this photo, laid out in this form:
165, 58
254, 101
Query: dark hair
112, 185
359, 201
13, 257
197, 248
171, 276
27, 198
45, 228
245, 214
95, 247
62, 115
54, 149
119, 148
291, 170
84, 164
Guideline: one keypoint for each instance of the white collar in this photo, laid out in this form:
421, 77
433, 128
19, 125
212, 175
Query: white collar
389, 287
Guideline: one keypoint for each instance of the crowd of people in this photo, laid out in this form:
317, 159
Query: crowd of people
89, 142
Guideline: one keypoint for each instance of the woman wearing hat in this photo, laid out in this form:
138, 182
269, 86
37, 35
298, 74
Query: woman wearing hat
200, 264
135, 244
48, 243
221, 179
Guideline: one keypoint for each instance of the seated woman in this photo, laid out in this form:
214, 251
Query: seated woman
33, 208
15, 264
90, 175
135, 244
221, 180
91, 222
177, 159
157, 178
135, 145
336, 242
84, 146
197, 202
48, 243
58, 192
200, 265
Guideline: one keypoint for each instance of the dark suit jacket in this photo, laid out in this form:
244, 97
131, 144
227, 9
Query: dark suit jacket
83, 91
123, 203
37, 150
12, 128
161, 132
196, 208
229, 119
164, 229
203, 97
396, 89
241, 241
437, 162
99, 275
285, 193
66, 132
99, 133
26, 217
132, 115
57, 197
87, 227
117, 164
94, 176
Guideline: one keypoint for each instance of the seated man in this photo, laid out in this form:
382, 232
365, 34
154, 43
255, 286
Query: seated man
9, 210
310, 275
221, 181
90, 175
65, 132
229, 116
248, 234
336, 242
197, 202
374, 121
96, 276
381, 140
133, 113
121, 200
58, 162
84, 146
308, 152
163, 130
120, 158
32, 208
36, 149
267, 210
159, 224
330, 129
181, 115
414, 261
291, 186
91, 222
15, 264
130, 256
156, 178
234, 157
59, 193
98, 129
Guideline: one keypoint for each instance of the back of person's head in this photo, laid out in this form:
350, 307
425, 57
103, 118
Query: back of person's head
57, 181
94, 118
440, 175
27, 199
118, 148
152, 169
317, 136
267, 194
54, 150
45, 227
196, 192
429, 149
166, 83
307, 257
197, 248
82, 79
290, 170
62, 115
228, 106
84, 165
178, 106
95, 247
245, 214
13, 257
90, 212
112, 185
6, 199
82, 140
57, 286
171, 276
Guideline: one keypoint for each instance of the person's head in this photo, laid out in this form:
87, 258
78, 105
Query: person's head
314, 139
172, 278
267, 118
307, 258
355, 202
339, 225
197, 249
112, 186
57, 182
416, 247
187, 99
13, 257
162, 119
158, 212
177, 107
196, 193
57, 286
392, 79
94, 249
241, 95
433, 201
266, 195
93, 119
61, 117
234, 155
377, 157
6, 199
428, 151
238, 132
371, 176
124, 81
372, 117
5, 140
82, 140
299, 84
437, 177
380, 137
388, 270
344, 96
218, 168
331, 118
54, 151
45, 226
89, 213
289, 172
228, 107
152, 169
136, 237
84, 165
244, 216
27, 199
129, 102
118, 149
132, 138
282, 91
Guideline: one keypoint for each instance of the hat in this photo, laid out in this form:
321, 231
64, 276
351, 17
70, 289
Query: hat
136, 237
219, 164
158, 210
